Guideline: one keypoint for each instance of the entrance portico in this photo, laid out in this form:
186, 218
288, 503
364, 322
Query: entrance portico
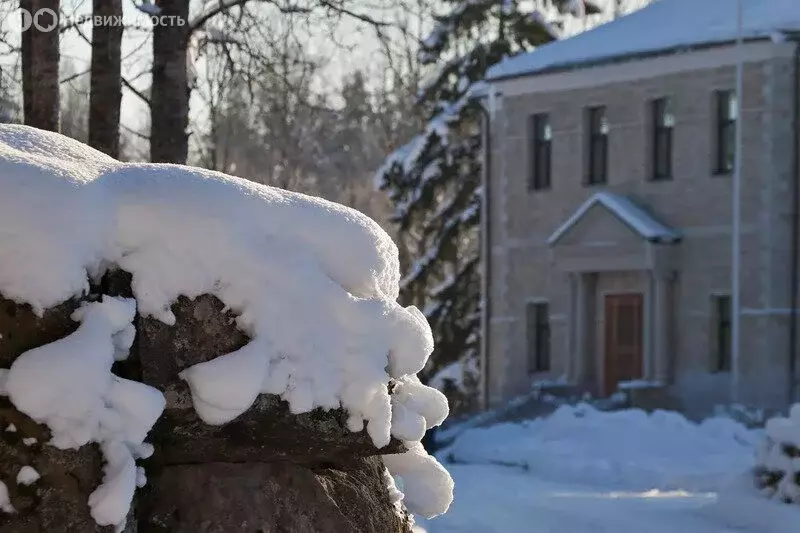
622, 264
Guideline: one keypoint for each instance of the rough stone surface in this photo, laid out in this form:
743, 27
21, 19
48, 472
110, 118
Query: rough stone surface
270, 498
21, 329
267, 471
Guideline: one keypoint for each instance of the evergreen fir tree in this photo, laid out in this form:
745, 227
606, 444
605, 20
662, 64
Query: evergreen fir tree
434, 180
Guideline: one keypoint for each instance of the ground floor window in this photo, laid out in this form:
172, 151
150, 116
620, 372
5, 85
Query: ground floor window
721, 331
538, 336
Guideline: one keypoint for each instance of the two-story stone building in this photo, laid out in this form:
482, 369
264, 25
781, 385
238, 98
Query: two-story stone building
608, 223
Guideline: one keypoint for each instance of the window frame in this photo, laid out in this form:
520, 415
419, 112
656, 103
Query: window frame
597, 145
538, 336
661, 132
539, 172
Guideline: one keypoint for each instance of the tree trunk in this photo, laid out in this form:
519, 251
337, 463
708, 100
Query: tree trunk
169, 108
40, 60
106, 85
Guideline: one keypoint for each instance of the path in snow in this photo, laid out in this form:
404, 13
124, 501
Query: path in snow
495, 499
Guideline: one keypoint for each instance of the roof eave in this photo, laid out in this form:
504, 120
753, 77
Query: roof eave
621, 58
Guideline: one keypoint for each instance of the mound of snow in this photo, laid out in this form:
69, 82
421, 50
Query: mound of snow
628, 449
313, 284
778, 461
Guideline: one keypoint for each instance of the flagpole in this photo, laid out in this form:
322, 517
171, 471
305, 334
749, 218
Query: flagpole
737, 214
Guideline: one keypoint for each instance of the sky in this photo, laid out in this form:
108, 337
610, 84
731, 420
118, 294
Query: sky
357, 48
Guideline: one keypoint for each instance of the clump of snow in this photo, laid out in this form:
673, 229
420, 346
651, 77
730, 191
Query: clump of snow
415, 409
68, 385
778, 460
5, 501
627, 448
314, 285
29, 441
428, 487
11, 427
27, 475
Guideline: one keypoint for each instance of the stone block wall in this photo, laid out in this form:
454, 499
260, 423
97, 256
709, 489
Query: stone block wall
268, 471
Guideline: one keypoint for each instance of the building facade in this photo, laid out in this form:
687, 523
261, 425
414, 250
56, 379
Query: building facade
608, 228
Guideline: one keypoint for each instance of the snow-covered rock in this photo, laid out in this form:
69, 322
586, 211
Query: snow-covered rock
312, 284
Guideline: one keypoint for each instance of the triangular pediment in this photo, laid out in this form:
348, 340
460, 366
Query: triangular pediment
608, 218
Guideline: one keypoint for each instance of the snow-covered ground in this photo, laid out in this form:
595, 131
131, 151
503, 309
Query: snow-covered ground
584, 471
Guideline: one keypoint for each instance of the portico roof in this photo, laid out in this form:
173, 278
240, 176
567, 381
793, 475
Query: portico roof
628, 212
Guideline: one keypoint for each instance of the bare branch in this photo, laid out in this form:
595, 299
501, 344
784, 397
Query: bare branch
73, 76
125, 82
135, 91
224, 5
134, 132
352, 14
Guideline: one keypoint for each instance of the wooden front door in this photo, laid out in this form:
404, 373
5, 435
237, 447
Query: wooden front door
623, 340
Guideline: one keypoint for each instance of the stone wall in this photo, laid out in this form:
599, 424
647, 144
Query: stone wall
267, 471
695, 201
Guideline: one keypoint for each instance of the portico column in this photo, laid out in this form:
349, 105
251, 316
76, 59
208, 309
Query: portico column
662, 328
650, 321
572, 330
584, 316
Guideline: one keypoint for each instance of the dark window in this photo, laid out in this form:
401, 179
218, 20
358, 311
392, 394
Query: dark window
598, 146
541, 136
663, 122
538, 325
727, 115
722, 333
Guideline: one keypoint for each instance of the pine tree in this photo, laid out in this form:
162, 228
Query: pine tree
434, 180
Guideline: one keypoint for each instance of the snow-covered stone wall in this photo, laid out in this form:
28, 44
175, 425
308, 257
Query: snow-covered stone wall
162, 323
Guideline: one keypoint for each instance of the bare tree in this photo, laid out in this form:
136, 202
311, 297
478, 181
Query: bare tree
106, 79
171, 89
169, 103
40, 63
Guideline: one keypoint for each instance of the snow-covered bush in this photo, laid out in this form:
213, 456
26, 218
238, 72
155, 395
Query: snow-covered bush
777, 468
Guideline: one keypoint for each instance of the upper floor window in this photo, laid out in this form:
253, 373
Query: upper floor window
721, 330
597, 170
541, 136
538, 333
663, 122
727, 114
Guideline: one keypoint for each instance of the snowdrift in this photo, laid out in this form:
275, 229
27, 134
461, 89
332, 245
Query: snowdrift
628, 450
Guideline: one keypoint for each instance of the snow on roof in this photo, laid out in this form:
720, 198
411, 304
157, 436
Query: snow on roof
662, 26
314, 285
628, 212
